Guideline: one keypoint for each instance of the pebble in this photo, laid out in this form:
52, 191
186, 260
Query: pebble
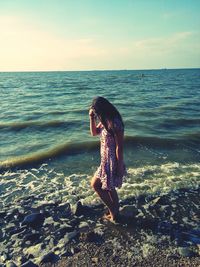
56, 228
186, 251
51, 257
91, 237
34, 220
10, 264
29, 264
83, 226
81, 209
63, 230
95, 260
33, 237
129, 211
34, 251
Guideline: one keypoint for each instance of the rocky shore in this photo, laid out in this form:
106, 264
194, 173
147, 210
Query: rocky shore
152, 230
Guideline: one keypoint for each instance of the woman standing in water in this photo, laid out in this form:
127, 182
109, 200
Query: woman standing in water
112, 169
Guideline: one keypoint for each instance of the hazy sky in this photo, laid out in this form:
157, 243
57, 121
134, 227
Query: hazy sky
99, 34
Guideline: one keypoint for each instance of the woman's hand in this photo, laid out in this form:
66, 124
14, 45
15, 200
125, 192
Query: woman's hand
91, 113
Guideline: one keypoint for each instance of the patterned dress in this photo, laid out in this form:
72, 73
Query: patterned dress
107, 171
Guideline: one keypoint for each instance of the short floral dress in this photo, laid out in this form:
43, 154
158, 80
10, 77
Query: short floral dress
107, 171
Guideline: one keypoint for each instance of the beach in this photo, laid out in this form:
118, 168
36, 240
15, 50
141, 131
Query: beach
49, 214
150, 231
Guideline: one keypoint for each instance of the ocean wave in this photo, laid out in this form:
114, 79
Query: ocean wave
180, 122
80, 147
17, 126
36, 158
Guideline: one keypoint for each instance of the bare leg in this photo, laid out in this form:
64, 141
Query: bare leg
104, 195
115, 200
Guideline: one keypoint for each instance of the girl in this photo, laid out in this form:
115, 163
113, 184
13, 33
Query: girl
112, 169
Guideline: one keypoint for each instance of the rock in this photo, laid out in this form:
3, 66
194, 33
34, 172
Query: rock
18, 231
63, 207
4, 257
33, 238
22, 259
70, 236
51, 257
161, 200
2, 214
74, 250
186, 251
129, 211
33, 251
10, 227
65, 253
173, 257
83, 226
164, 227
81, 209
91, 237
49, 221
63, 230
148, 223
74, 222
34, 220
29, 264
95, 260
141, 200
10, 264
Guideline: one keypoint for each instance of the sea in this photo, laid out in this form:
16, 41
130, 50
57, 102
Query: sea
45, 143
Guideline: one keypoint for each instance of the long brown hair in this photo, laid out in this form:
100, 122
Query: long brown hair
106, 112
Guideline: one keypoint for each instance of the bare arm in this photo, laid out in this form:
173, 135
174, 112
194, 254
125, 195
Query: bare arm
93, 127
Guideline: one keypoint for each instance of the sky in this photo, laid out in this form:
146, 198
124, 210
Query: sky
64, 35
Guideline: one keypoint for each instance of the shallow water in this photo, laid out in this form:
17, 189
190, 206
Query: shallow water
44, 131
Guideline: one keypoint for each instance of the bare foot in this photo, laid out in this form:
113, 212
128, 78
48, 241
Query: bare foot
107, 216
110, 217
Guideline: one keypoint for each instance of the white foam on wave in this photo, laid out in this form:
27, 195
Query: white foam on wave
153, 179
57, 186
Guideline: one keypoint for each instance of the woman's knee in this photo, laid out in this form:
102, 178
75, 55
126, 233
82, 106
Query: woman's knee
95, 183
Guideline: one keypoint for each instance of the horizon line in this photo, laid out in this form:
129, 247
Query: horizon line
99, 70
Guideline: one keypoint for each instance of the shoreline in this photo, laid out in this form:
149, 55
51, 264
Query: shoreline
153, 230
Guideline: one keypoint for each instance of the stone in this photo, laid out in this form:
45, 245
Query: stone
34, 251
63, 207
63, 230
10, 264
2, 214
22, 259
48, 221
70, 236
33, 238
129, 211
81, 209
161, 200
186, 251
17, 231
83, 226
65, 253
164, 227
91, 237
34, 220
95, 260
148, 223
29, 264
51, 257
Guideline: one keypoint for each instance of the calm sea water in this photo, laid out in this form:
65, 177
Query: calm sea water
45, 145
